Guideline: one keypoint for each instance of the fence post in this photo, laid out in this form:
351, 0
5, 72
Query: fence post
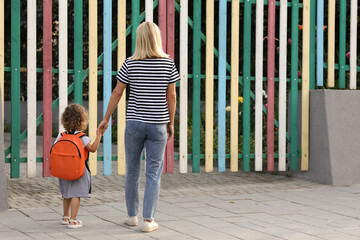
3, 192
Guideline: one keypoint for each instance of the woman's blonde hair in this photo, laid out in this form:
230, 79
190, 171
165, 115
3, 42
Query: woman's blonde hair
148, 42
74, 118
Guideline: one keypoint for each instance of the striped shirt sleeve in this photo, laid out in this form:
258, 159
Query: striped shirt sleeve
122, 75
174, 76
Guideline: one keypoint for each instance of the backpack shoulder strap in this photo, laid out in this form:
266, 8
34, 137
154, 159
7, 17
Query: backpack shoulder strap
80, 134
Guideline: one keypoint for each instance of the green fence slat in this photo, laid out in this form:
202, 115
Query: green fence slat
294, 84
246, 86
342, 43
196, 86
135, 21
15, 89
78, 51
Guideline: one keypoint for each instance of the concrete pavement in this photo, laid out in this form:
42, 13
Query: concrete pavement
192, 206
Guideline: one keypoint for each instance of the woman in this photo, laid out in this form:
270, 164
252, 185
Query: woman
152, 76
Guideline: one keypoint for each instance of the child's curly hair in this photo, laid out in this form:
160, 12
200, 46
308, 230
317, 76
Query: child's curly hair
74, 118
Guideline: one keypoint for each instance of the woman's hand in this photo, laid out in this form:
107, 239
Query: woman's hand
102, 127
170, 130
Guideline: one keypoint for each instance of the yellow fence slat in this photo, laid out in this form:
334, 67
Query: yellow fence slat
31, 87
234, 113
183, 86
93, 81
331, 44
122, 104
209, 86
282, 85
305, 87
259, 51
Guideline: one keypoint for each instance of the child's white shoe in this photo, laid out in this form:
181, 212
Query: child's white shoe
76, 224
65, 220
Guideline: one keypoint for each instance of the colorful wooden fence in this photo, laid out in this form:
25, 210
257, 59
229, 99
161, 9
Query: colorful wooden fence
229, 76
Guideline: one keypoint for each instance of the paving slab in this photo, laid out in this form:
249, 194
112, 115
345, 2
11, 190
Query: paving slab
191, 206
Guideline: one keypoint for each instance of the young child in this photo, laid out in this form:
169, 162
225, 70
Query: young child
75, 119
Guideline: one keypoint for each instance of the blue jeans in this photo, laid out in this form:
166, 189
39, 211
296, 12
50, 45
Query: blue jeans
154, 138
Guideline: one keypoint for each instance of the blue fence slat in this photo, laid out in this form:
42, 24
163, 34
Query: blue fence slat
320, 43
107, 83
222, 86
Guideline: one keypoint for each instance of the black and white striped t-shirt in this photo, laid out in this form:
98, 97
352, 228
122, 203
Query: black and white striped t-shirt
148, 80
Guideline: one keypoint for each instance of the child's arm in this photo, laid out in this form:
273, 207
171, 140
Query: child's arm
92, 147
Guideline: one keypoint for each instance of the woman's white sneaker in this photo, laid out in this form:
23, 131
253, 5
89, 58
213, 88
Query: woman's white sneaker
131, 221
149, 226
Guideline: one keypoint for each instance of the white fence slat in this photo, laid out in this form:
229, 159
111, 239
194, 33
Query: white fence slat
183, 151
353, 42
63, 58
149, 10
31, 88
282, 85
259, 84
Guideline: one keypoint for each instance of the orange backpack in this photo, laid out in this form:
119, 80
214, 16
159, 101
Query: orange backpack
68, 156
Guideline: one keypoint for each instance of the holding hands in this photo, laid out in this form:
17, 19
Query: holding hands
102, 127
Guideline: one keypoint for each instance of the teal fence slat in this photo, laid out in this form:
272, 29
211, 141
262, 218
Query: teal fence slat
107, 83
342, 43
294, 84
222, 86
78, 51
196, 86
135, 21
15, 89
312, 44
246, 86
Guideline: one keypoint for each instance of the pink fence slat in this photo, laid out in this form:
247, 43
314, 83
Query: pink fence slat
162, 25
170, 28
170, 49
47, 85
270, 85
162, 22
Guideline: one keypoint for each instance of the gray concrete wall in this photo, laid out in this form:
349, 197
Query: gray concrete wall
3, 183
334, 153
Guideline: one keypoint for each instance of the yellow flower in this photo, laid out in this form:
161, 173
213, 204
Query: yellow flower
241, 99
228, 108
